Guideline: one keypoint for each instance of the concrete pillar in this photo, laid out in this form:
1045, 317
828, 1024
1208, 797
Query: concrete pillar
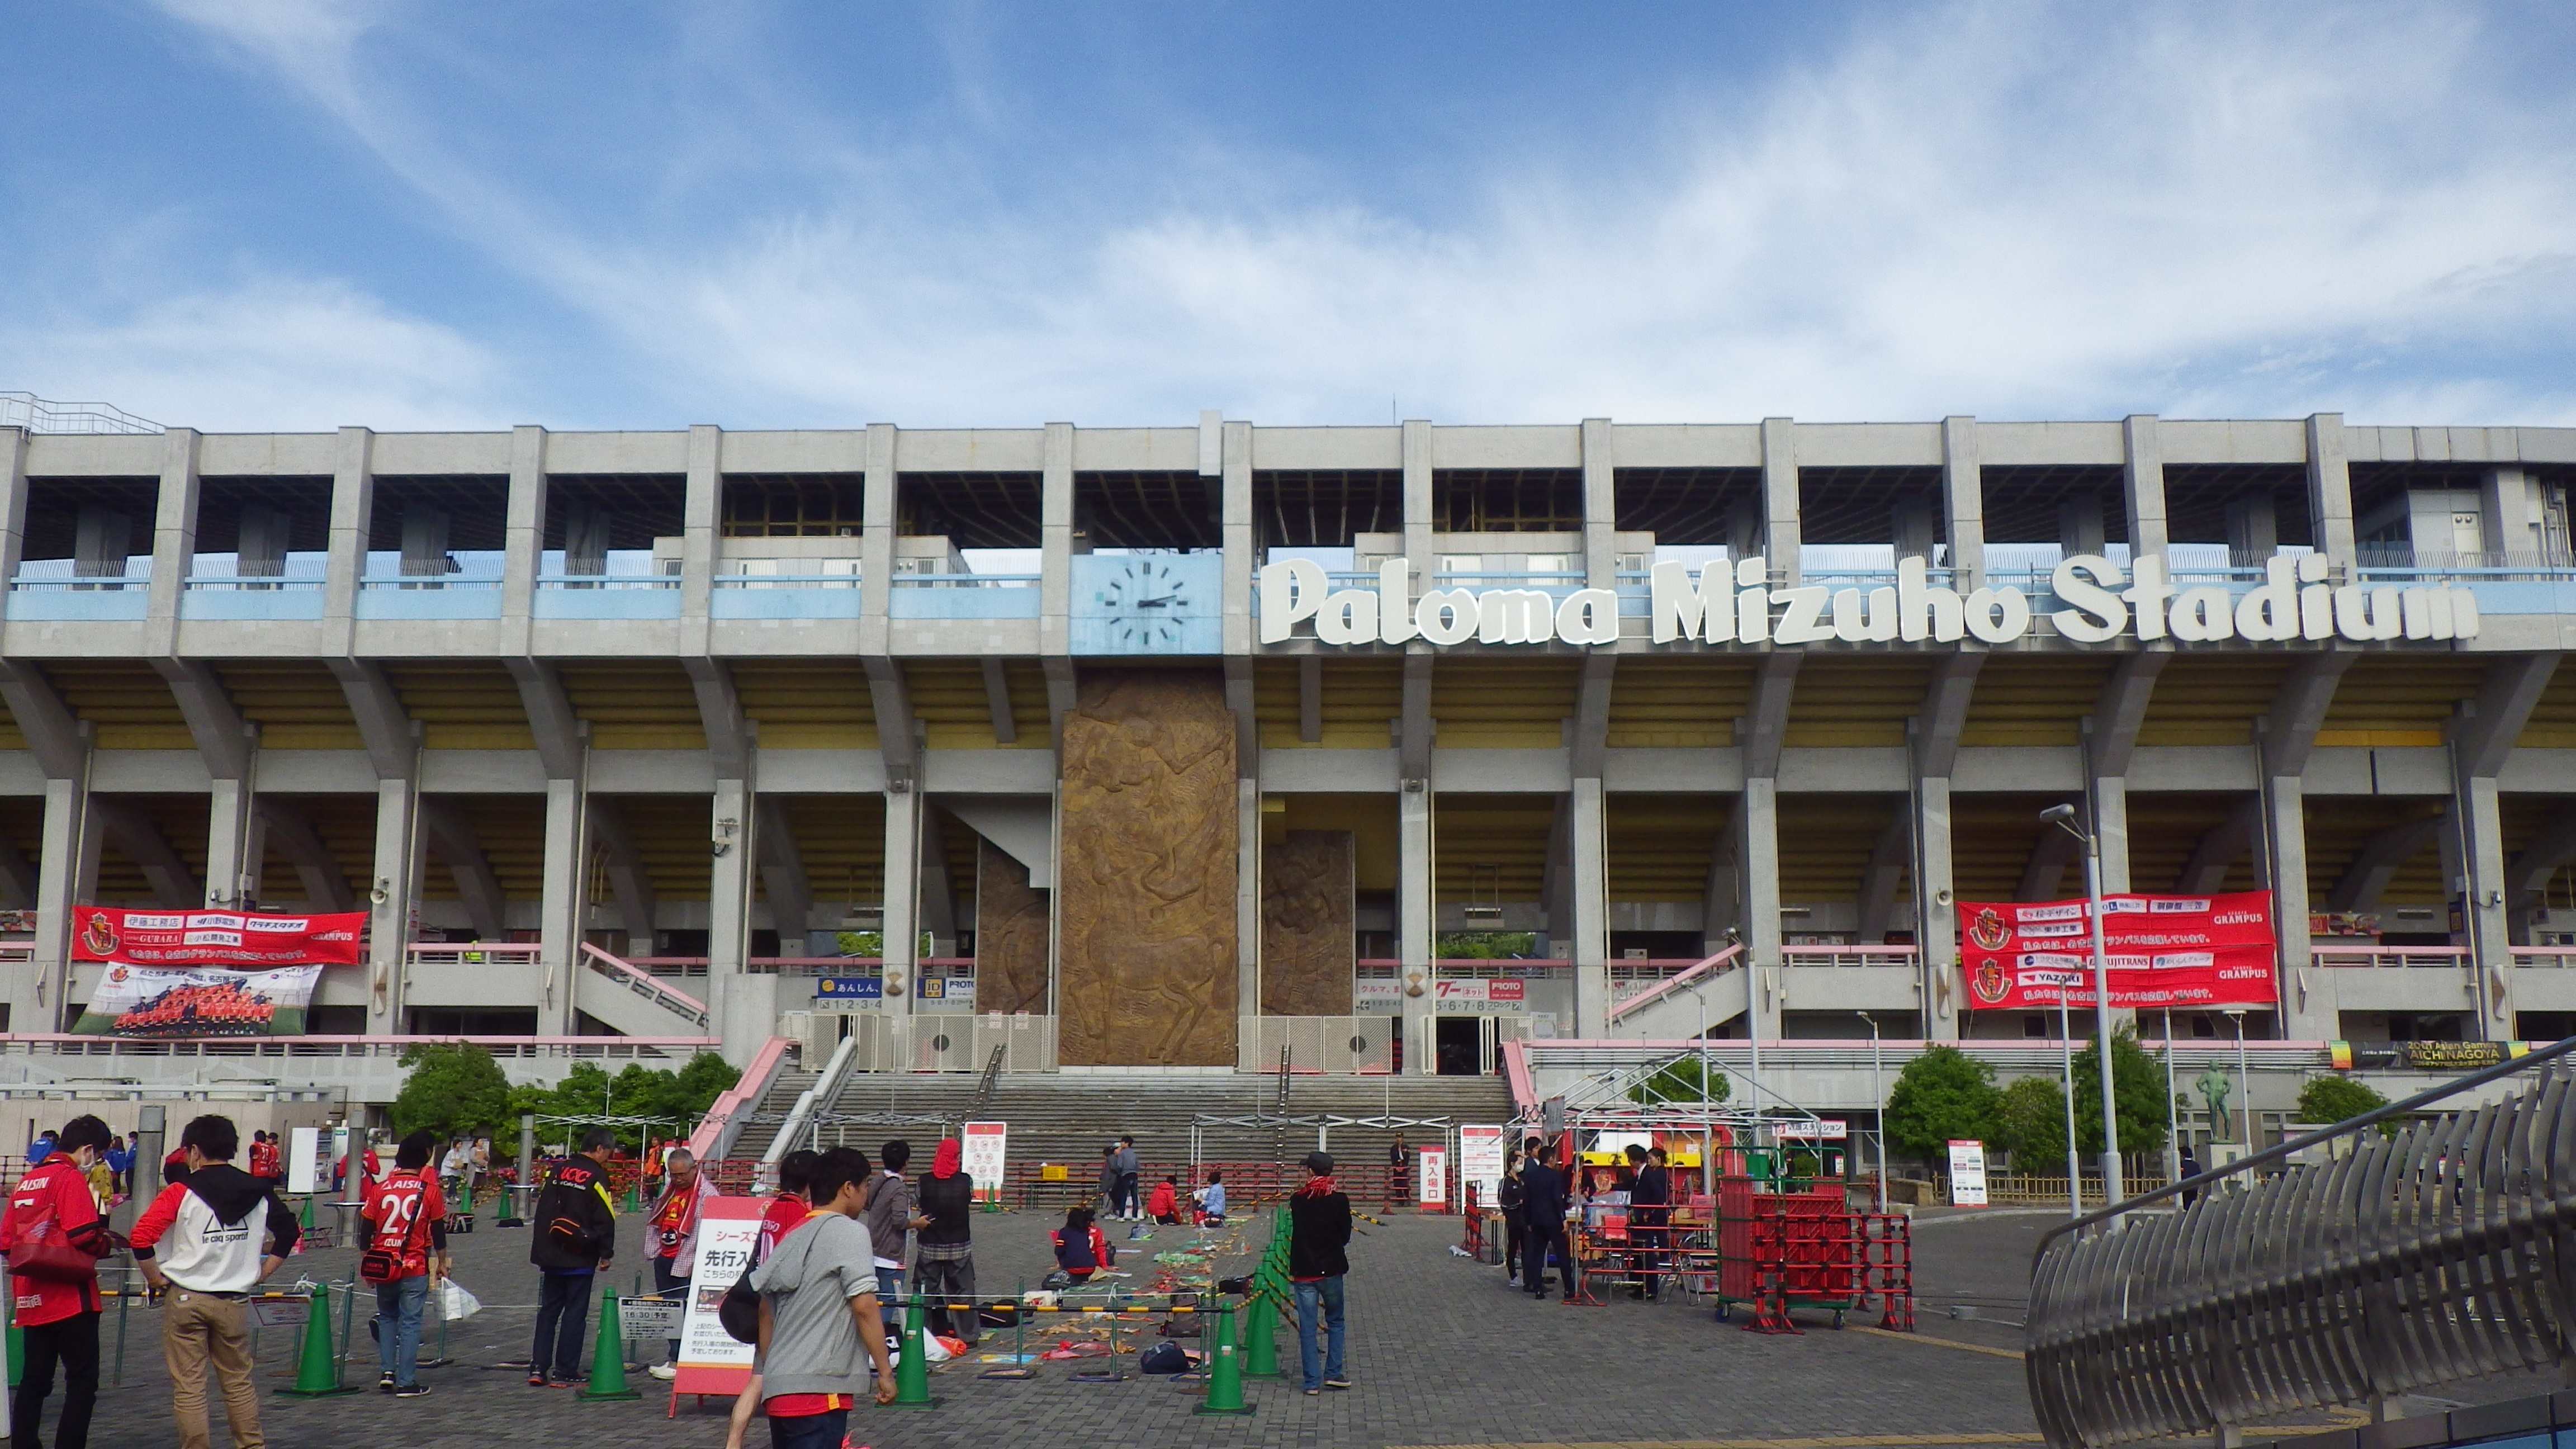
741, 1006
523, 537
1780, 512
2142, 479
903, 807
701, 528
561, 914
234, 845
1418, 502
1055, 541
1600, 505
13, 502
2330, 490
1247, 923
174, 541
1757, 863
353, 512
2284, 860
2480, 852
396, 885
2508, 515
1963, 496
1588, 893
2110, 812
1417, 921
1237, 533
876, 538
67, 876
1936, 921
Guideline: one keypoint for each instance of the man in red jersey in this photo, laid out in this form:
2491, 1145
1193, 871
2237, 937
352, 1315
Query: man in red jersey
407, 1220
59, 1315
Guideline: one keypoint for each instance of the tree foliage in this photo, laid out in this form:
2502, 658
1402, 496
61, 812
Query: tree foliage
1486, 945
455, 1089
2137, 1089
1941, 1095
675, 1100
2030, 1123
1681, 1081
2339, 1099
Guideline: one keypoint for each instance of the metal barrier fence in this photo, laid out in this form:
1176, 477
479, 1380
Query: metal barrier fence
2445, 1253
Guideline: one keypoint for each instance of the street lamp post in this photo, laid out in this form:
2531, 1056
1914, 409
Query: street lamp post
2064, 816
1878, 1108
2173, 1134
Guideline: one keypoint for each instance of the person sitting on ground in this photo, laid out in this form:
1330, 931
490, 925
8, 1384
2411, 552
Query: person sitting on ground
1165, 1205
1211, 1199
1081, 1249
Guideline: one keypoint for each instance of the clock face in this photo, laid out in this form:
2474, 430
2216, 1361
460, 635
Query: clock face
1146, 601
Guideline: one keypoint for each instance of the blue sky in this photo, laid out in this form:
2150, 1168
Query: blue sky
253, 214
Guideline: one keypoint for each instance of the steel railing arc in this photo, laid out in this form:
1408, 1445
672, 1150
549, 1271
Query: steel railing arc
2444, 1253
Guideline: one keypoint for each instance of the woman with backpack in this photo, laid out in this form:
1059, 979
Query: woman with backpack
1081, 1249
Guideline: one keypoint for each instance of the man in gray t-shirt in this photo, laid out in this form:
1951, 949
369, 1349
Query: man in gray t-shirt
819, 1323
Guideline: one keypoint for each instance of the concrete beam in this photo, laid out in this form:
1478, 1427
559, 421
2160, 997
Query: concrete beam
729, 733
1887, 859
2044, 877
2330, 490
782, 871
1963, 498
701, 530
13, 500
2482, 734
551, 718
1590, 743
2540, 858
130, 829
174, 540
523, 536
997, 701
392, 740
2112, 736
353, 513
892, 698
223, 737
628, 880
1780, 503
55, 736
2142, 478
2287, 732
1310, 699
293, 835
2381, 856
1764, 729
2219, 848
19, 879
451, 839
1415, 730
1945, 713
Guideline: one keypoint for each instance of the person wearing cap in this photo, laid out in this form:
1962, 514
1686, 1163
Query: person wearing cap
1319, 1233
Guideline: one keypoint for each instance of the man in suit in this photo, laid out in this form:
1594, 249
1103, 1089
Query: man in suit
1543, 1210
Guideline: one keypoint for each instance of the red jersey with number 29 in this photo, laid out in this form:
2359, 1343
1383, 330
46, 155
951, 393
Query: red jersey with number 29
394, 1209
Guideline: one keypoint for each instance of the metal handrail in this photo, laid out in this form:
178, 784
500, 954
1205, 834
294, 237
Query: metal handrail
1665, 987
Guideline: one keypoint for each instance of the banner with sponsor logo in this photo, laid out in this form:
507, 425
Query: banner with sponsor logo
214, 938
152, 1001
2163, 951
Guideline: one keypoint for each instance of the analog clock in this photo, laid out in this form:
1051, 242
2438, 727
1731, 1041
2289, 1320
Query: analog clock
1145, 601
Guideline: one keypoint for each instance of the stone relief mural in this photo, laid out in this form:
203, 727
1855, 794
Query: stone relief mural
1146, 867
1306, 943
1010, 935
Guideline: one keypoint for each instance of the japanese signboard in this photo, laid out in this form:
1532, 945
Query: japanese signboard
214, 938
2162, 951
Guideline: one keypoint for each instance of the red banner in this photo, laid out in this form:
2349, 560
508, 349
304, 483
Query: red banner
2162, 951
214, 938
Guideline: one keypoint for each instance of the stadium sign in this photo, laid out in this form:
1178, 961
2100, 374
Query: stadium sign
1734, 603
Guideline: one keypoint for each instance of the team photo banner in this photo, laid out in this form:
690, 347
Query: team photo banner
2162, 951
149, 1001
214, 938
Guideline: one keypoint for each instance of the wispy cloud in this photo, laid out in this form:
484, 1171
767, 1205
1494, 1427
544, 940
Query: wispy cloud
1997, 208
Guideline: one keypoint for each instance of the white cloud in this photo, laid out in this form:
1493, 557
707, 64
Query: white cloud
1991, 208
271, 355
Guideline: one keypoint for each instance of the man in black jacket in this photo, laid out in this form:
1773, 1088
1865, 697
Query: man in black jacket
1649, 1214
575, 1240
1543, 1209
1319, 1230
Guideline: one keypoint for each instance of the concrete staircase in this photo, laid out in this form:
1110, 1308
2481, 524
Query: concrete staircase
758, 1133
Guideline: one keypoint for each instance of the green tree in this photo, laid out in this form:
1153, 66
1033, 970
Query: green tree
2340, 1099
2030, 1123
455, 1089
2137, 1089
1681, 1081
1941, 1095
1485, 945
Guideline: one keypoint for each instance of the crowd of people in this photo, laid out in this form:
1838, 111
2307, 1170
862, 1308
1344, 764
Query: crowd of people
1537, 1200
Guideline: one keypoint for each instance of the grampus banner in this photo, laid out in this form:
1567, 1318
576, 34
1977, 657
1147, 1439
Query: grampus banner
2163, 951
214, 938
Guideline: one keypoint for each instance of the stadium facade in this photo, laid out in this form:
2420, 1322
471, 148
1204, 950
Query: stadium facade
1184, 746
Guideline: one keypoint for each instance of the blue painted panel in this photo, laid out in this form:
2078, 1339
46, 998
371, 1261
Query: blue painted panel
2525, 596
429, 604
1147, 603
607, 604
251, 604
936, 603
783, 604
124, 604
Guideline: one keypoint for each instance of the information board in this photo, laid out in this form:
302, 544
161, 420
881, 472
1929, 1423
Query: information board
304, 1160
1480, 1161
711, 1361
1435, 1177
984, 1156
2160, 951
1967, 1173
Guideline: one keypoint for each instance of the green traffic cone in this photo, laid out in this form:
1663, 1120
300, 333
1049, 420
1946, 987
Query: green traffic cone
1261, 1338
1225, 1371
608, 1359
912, 1371
316, 1375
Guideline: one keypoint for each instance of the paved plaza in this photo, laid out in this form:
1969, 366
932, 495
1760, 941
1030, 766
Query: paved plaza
1442, 1354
